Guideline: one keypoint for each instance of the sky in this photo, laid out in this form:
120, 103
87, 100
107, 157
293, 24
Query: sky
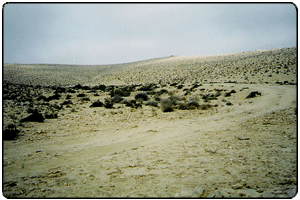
95, 34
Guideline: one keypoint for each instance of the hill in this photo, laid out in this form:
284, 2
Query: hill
276, 65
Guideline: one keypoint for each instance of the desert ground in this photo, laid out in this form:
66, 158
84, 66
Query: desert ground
220, 126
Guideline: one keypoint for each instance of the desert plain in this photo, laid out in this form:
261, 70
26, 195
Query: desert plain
220, 126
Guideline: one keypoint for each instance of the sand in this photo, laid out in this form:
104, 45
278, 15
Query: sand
239, 147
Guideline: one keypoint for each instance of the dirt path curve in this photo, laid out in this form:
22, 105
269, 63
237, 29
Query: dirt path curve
160, 158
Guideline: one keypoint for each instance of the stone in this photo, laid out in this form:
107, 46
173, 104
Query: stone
188, 193
211, 195
198, 190
218, 194
251, 193
292, 192
237, 186
268, 194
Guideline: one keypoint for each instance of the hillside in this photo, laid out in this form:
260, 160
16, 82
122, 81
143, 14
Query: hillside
247, 67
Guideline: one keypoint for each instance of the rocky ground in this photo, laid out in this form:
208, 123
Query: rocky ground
214, 126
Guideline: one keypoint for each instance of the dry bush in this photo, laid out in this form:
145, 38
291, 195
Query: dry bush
151, 103
97, 103
205, 106
167, 105
141, 96
192, 105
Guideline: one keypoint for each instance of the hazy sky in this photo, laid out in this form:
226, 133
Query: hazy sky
119, 33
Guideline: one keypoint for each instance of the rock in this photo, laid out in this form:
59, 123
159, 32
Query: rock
292, 192
188, 193
243, 138
218, 194
237, 186
211, 195
198, 190
268, 194
250, 193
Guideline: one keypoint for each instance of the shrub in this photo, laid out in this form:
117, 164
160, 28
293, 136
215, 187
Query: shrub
205, 98
66, 102
116, 99
55, 96
108, 103
151, 103
60, 90
81, 95
132, 103
99, 87
182, 106
123, 92
205, 106
180, 86
253, 94
56, 106
156, 98
167, 105
141, 96
175, 99
229, 104
78, 86
68, 96
10, 132
195, 85
218, 93
148, 87
228, 94
31, 110
97, 103
85, 99
70, 90
192, 104
51, 115
34, 117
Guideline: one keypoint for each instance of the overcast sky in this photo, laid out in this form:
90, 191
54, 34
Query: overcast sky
120, 33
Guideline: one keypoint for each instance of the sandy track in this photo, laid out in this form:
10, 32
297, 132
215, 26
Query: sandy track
214, 152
